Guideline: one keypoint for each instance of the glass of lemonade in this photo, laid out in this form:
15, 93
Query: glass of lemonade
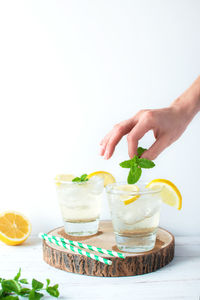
80, 204
135, 213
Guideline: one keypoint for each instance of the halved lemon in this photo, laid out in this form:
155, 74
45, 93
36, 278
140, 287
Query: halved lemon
14, 228
130, 188
108, 178
63, 177
169, 192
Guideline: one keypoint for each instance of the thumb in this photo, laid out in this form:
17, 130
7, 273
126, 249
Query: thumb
160, 144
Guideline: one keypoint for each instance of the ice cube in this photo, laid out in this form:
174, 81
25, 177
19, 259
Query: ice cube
139, 210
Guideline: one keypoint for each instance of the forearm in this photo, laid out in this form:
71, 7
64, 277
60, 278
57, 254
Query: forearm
188, 104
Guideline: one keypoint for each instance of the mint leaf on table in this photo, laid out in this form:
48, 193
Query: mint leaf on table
10, 297
11, 285
35, 295
13, 288
145, 163
25, 291
82, 178
48, 282
18, 275
53, 290
37, 285
135, 165
23, 280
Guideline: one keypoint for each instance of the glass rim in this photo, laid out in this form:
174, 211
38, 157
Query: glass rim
57, 181
70, 182
110, 189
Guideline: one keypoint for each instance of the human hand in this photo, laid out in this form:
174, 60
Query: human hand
167, 125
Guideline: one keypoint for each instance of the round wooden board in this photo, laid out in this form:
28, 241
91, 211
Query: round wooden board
133, 264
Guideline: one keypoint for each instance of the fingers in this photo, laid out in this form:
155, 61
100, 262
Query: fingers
113, 141
103, 144
135, 135
110, 141
160, 144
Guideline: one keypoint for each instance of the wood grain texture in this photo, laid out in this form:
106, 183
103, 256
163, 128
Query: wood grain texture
133, 264
177, 281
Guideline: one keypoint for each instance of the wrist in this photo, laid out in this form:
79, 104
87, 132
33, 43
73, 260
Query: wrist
188, 104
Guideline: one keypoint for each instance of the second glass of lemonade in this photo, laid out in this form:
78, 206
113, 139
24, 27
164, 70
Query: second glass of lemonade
80, 204
135, 213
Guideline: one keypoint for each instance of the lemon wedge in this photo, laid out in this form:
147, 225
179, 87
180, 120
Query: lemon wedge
14, 228
129, 188
169, 192
63, 177
107, 177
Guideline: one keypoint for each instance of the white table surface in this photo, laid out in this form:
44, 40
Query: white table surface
178, 280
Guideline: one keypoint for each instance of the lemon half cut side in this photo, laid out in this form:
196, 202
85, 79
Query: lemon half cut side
15, 228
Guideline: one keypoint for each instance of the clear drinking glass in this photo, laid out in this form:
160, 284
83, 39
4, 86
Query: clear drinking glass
135, 223
80, 204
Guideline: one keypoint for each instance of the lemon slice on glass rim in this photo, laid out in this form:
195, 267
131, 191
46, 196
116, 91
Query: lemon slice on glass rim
169, 192
129, 188
107, 177
63, 178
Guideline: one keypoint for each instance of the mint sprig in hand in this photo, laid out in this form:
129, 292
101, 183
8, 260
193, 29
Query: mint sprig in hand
135, 165
13, 288
82, 178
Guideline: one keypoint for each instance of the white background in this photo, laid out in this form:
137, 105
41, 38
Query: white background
70, 70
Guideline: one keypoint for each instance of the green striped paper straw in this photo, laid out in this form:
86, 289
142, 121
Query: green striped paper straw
85, 246
75, 249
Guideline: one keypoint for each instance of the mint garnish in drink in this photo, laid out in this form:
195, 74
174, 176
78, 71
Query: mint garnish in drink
135, 165
13, 288
82, 178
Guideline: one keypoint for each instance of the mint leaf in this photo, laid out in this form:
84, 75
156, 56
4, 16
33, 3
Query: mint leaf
125, 164
135, 164
53, 290
130, 177
18, 275
10, 297
76, 179
11, 286
140, 151
48, 282
129, 163
84, 177
145, 163
37, 285
134, 160
134, 174
35, 295
25, 291
23, 280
